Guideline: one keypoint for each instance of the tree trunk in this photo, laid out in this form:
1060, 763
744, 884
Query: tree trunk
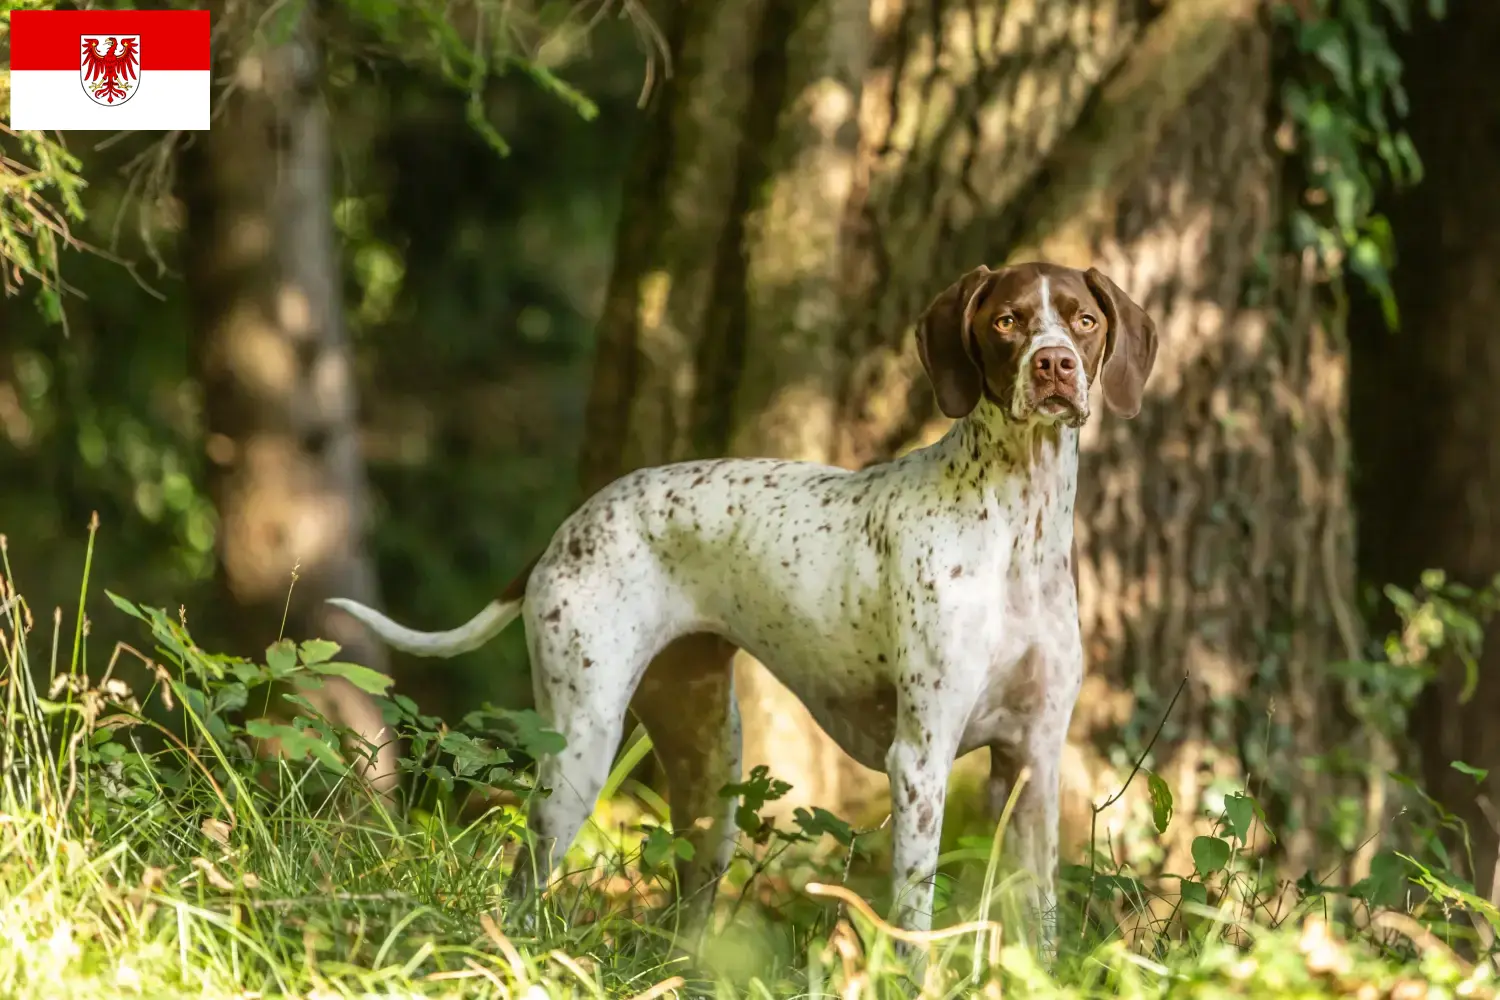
720, 327
777, 250
285, 469
1426, 408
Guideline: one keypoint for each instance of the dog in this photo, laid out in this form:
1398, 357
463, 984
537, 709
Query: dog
920, 609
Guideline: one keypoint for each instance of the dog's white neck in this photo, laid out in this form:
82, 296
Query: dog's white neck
1029, 468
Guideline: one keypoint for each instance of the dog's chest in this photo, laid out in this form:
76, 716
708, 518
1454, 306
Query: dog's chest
853, 587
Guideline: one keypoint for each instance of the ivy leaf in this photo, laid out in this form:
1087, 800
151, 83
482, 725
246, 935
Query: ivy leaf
1161, 801
1210, 854
1194, 891
1325, 39
318, 651
367, 680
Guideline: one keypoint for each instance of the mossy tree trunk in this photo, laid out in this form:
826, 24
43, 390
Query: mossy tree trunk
781, 239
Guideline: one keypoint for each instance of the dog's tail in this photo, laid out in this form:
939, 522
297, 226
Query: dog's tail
472, 634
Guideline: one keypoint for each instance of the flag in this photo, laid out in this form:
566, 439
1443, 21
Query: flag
109, 70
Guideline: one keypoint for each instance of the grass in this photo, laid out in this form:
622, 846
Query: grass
150, 846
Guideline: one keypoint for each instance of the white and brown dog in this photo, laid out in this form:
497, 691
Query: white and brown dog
920, 609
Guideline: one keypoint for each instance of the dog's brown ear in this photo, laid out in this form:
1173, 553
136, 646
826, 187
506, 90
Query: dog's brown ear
945, 342
1130, 350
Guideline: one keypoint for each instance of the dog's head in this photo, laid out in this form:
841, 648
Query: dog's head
1031, 338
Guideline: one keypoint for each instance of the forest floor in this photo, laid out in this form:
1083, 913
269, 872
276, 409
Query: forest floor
146, 850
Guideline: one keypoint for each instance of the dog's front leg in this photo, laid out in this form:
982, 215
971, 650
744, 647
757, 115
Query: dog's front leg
1031, 841
918, 770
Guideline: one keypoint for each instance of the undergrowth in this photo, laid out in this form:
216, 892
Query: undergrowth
178, 823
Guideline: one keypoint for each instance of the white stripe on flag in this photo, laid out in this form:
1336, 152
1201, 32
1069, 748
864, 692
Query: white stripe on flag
165, 100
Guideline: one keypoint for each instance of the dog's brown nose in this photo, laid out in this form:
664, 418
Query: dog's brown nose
1054, 369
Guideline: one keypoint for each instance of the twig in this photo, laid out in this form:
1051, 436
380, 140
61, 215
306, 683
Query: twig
1419, 936
665, 986
909, 937
1094, 819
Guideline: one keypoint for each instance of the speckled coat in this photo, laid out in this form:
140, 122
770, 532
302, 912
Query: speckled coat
920, 609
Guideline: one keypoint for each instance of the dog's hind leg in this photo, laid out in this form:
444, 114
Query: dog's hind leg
583, 682
686, 702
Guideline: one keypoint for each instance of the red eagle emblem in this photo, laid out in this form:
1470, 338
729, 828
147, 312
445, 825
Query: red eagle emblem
111, 67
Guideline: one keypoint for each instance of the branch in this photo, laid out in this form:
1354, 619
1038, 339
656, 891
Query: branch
1112, 143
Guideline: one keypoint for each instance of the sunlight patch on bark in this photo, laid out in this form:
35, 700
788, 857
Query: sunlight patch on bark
248, 240
257, 352
330, 382
294, 310
277, 517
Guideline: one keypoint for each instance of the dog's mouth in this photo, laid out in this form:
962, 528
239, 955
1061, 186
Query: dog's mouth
1061, 408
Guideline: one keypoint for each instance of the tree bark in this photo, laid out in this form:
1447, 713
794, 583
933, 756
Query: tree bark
285, 468
887, 149
1426, 409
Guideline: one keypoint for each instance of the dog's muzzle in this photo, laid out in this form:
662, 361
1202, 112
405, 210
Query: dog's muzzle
1055, 385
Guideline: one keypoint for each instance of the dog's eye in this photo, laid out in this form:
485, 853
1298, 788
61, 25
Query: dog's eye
1087, 322
1005, 324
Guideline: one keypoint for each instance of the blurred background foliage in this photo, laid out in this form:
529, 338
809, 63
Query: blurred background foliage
474, 266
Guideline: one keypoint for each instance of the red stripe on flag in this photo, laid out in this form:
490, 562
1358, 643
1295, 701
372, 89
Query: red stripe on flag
53, 39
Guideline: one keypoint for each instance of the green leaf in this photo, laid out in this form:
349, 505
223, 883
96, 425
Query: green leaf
296, 699
281, 658
318, 651
747, 819
1387, 882
249, 674
125, 606
660, 846
1161, 801
1194, 892
1477, 773
758, 789
231, 698
1210, 854
367, 680
297, 744
1105, 887
820, 821
530, 732
198, 702
1240, 810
